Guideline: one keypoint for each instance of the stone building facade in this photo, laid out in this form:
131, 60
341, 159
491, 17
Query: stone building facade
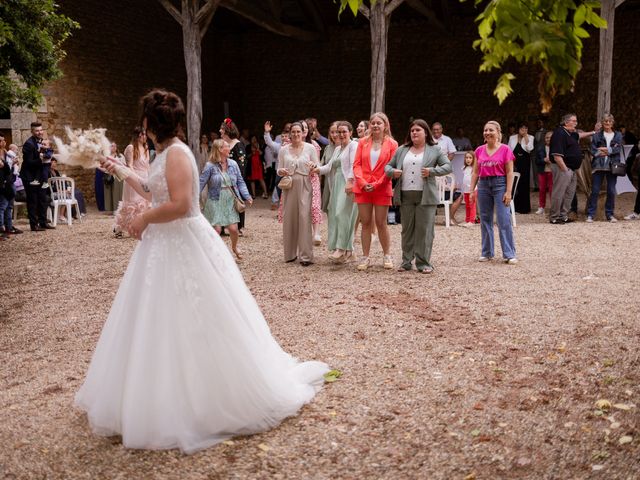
123, 50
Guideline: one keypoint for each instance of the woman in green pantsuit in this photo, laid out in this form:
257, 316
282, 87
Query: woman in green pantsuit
342, 212
415, 166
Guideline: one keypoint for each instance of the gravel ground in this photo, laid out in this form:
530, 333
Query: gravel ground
479, 371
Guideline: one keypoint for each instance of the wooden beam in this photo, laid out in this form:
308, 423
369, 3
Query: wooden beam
258, 17
619, 2
427, 12
173, 11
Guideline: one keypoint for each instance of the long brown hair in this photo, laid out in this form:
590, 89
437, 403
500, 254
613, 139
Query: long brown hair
134, 141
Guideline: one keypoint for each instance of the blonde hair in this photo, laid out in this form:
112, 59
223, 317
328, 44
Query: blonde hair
495, 124
387, 126
214, 156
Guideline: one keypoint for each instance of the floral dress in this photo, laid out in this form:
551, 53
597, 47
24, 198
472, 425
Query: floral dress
221, 212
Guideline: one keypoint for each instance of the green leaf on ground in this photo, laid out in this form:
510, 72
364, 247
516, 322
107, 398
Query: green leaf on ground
332, 375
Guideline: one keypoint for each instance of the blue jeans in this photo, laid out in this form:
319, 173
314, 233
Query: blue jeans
596, 183
490, 193
5, 209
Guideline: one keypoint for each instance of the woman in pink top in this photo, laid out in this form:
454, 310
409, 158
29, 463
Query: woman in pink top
493, 173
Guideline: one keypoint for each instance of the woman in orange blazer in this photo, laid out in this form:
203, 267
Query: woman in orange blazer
372, 188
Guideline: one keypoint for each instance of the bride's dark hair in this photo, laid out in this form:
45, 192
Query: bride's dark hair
165, 114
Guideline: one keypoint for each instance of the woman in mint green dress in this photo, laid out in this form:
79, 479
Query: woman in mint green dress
342, 211
223, 177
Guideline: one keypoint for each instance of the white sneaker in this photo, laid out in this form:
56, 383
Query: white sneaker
632, 216
34, 183
540, 211
484, 259
387, 262
363, 264
589, 219
511, 261
317, 240
613, 220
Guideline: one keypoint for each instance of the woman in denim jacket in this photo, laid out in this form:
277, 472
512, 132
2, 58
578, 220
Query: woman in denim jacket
225, 182
606, 145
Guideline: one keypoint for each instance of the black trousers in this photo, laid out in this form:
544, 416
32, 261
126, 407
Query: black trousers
36, 204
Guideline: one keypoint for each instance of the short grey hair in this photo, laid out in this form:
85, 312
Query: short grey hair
608, 116
567, 117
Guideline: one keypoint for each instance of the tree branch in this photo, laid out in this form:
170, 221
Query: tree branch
619, 2
259, 18
206, 10
391, 6
206, 22
364, 10
421, 8
172, 10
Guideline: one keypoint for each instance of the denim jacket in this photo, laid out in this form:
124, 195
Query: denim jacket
212, 176
603, 162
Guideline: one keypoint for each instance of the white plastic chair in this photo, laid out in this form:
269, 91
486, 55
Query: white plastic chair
63, 194
446, 183
516, 179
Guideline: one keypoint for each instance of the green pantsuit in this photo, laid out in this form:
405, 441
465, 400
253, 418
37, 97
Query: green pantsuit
418, 207
418, 229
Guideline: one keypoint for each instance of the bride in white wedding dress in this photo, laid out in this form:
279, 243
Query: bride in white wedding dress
185, 358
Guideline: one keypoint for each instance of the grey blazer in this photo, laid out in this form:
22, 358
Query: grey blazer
437, 163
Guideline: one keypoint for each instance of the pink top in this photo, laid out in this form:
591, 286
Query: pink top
493, 165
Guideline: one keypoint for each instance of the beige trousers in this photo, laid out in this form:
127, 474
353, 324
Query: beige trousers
296, 220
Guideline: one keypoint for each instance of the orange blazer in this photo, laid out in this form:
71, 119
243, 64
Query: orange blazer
362, 172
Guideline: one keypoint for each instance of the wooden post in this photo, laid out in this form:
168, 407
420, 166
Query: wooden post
379, 23
194, 21
607, 11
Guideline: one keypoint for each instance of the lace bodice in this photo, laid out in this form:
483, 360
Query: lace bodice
157, 181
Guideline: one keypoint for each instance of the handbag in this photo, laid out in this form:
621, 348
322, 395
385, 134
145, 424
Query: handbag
619, 169
238, 204
285, 183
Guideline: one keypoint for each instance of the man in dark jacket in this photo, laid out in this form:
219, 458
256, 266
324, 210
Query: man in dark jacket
31, 173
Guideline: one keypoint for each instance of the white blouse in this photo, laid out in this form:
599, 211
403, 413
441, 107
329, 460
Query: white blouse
411, 172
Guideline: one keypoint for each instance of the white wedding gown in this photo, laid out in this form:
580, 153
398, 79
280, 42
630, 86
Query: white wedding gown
185, 358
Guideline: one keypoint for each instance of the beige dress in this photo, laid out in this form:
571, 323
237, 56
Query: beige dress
132, 203
296, 204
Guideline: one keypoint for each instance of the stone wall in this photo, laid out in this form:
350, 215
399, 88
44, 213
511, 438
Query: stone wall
118, 54
129, 47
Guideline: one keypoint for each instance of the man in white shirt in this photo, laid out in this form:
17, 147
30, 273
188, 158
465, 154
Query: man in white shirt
461, 142
445, 143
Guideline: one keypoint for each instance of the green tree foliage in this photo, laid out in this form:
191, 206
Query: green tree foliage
545, 33
31, 38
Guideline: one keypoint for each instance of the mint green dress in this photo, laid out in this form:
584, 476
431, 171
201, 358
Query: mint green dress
342, 212
220, 213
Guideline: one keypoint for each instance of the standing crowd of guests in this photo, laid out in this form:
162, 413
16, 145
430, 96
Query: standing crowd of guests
369, 181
